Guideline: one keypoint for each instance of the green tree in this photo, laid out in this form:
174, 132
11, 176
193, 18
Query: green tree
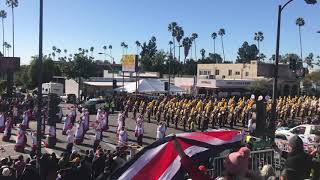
258, 36
221, 33
211, 59
194, 36
148, 51
214, 37
21, 77
186, 42
260, 87
300, 22
48, 70
247, 52
138, 44
3, 15
309, 60
172, 28
12, 4
81, 67
179, 36
203, 53
189, 68
91, 50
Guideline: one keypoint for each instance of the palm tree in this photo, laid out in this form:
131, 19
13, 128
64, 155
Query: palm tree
203, 53
12, 4
138, 44
186, 42
3, 15
214, 36
194, 37
110, 48
258, 36
172, 28
221, 33
300, 22
8, 46
91, 50
58, 51
179, 36
124, 47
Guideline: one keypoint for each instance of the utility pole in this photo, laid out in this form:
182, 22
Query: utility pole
39, 96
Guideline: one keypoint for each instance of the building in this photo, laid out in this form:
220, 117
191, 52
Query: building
228, 79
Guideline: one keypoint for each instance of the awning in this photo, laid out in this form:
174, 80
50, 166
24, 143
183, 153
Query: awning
104, 84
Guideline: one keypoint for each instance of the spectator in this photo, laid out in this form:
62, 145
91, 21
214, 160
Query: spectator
30, 172
63, 162
267, 172
19, 166
7, 174
298, 160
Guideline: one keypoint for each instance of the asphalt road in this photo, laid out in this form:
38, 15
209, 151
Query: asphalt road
109, 138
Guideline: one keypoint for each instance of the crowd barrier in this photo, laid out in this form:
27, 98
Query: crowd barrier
257, 160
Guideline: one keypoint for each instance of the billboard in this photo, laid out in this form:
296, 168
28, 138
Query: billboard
129, 63
9, 64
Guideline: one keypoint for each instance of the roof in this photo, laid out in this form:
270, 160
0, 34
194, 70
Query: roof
104, 84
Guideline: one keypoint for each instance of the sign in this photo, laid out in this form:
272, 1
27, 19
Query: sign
232, 83
206, 83
129, 63
9, 64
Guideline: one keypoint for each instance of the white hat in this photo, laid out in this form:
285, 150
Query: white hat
6, 172
260, 98
253, 96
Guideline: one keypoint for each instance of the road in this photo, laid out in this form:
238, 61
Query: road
109, 138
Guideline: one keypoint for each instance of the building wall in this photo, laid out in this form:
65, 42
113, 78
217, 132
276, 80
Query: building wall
228, 71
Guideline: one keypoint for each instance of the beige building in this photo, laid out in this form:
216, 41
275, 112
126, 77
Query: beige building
231, 78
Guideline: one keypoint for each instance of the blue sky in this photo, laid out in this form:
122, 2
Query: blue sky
70, 24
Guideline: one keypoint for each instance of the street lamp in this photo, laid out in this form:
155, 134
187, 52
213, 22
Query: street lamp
275, 76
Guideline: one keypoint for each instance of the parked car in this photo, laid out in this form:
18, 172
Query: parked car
93, 105
309, 133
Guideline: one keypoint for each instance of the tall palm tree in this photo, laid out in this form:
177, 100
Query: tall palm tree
179, 36
110, 48
138, 44
104, 49
123, 44
186, 42
80, 49
214, 36
3, 15
8, 46
203, 53
58, 51
91, 50
12, 4
258, 36
5, 48
300, 22
194, 37
172, 28
221, 33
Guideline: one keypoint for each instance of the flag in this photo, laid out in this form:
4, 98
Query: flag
161, 161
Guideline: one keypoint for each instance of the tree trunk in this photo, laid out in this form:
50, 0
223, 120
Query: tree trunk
195, 50
12, 31
214, 46
300, 43
179, 51
174, 48
3, 38
224, 57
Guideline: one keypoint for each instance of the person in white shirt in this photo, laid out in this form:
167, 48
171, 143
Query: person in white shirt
251, 126
121, 118
2, 122
86, 120
161, 131
97, 138
79, 133
21, 140
66, 124
52, 136
70, 139
7, 131
123, 139
25, 121
139, 130
33, 143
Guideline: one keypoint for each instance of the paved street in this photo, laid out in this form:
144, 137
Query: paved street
109, 138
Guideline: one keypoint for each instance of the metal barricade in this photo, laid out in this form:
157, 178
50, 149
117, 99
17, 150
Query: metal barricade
257, 160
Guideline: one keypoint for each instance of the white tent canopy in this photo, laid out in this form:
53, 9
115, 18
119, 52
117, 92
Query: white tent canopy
149, 86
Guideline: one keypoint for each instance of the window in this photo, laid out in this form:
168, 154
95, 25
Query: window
230, 72
223, 76
204, 72
299, 130
217, 71
237, 73
247, 73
